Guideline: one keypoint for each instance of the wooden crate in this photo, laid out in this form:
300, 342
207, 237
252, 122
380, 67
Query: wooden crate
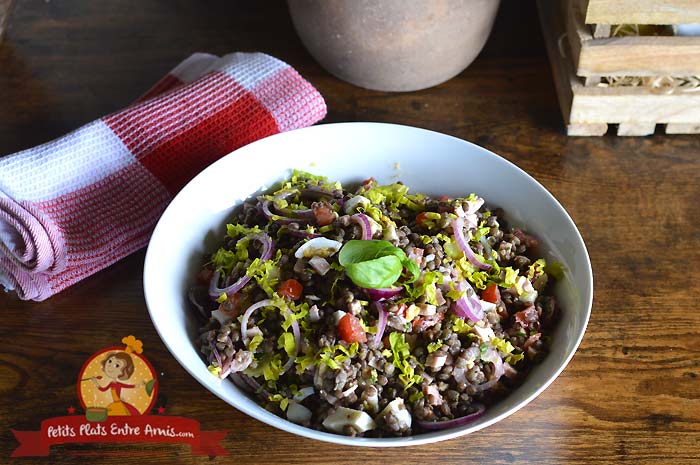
5, 7
642, 11
589, 109
596, 54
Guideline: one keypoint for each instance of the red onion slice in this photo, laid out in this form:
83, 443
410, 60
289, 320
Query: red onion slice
468, 306
381, 323
301, 233
216, 354
215, 291
365, 225
434, 425
265, 208
248, 312
284, 214
382, 293
266, 242
306, 213
458, 228
253, 385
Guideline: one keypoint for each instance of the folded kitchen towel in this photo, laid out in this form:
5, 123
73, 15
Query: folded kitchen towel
73, 206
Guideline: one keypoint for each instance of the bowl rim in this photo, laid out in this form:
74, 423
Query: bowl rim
278, 422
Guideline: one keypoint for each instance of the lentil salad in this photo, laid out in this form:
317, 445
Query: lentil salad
373, 311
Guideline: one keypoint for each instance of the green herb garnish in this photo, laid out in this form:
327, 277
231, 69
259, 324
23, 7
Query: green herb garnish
375, 264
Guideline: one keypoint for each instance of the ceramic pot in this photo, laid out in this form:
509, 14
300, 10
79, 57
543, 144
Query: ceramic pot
394, 45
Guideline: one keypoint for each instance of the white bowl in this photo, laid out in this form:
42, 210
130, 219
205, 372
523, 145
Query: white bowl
427, 162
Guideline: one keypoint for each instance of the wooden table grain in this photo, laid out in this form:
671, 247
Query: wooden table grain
631, 394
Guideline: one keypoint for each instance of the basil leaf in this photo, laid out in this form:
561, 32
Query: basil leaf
377, 273
361, 251
374, 264
412, 268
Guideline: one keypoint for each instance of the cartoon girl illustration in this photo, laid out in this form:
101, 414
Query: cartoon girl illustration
112, 372
118, 367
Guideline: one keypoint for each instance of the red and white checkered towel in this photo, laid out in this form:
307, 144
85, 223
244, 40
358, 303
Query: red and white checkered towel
76, 205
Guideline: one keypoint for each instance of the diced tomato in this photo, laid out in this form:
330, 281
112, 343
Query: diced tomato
491, 294
368, 181
351, 330
422, 220
231, 307
417, 322
204, 276
290, 289
444, 198
323, 213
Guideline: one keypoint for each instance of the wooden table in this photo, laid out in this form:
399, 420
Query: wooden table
631, 393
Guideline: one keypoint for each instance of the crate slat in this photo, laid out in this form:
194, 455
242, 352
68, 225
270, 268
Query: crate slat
632, 105
636, 129
628, 56
681, 128
643, 12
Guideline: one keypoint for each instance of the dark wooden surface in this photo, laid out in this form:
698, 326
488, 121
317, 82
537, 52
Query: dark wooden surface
631, 393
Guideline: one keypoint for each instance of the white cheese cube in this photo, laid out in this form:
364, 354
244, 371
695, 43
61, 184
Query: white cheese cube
343, 417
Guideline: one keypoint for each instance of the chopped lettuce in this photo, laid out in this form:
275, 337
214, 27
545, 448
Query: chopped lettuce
503, 346
332, 357
536, 269
242, 249
266, 273
301, 180
373, 212
255, 342
286, 342
296, 312
224, 260
512, 359
510, 277
460, 326
426, 286
269, 365
280, 399
401, 353
394, 196
430, 219
482, 231
235, 230
433, 346
304, 361
506, 348
480, 279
